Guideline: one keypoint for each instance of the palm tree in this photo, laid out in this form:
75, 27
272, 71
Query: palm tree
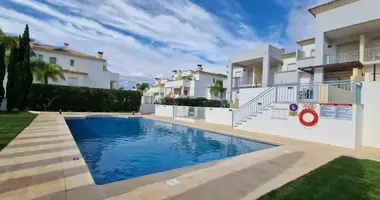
8, 40
43, 71
142, 87
218, 87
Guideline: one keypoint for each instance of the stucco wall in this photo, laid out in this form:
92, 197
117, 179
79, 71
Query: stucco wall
165, 111
96, 77
221, 116
147, 108
329, 131
246, 94
371, 114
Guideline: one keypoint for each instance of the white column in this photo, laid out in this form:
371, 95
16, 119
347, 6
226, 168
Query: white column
229, 81
320, 49
266, 70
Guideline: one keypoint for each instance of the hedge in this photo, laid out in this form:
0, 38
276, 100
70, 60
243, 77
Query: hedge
82, 99
199, 102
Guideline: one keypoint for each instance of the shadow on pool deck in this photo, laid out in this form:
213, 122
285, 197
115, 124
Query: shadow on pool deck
240, 183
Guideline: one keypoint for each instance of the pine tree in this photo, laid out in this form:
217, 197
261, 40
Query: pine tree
2, 71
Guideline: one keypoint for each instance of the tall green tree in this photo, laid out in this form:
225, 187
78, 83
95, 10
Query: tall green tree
218, 87
26, 71
14, 80
142, 87
45, 71
19, 73
2, 71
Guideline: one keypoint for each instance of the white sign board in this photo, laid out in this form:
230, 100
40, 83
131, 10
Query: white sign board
280, 113
336, 111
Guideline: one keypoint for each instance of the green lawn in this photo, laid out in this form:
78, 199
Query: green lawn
11, 124
343, 178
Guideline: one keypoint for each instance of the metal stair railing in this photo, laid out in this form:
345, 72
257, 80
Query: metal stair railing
255, 105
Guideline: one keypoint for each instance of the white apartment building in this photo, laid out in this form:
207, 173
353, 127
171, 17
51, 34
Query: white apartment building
326, 91
188, 83
346, 47
79, 69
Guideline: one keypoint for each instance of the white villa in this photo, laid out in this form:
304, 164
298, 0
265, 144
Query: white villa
79, 69
346, 47
189, 83
327, 91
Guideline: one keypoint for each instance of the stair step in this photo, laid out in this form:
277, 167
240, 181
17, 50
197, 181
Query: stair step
266, 109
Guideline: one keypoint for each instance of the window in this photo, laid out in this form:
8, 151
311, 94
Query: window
72, 62
216, 94
53, 60
313, 52
40, 57
213, 80
72, 81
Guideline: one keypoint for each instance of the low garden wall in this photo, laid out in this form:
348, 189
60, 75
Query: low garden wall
221, 116
164, 110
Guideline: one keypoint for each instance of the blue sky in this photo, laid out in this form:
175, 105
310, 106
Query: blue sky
144, 39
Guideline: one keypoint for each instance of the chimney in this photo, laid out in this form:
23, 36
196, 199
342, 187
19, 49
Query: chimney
199, 68
282, 50
66, 47
100, 55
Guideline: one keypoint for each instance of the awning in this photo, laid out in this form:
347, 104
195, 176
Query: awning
334, 67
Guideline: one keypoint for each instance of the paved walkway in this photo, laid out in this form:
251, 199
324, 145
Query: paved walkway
44, 162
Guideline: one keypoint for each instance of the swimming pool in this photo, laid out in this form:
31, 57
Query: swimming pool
122, 148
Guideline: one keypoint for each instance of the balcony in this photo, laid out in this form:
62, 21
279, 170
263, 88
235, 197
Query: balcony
177, 84
238, 82
372, 54
343, 57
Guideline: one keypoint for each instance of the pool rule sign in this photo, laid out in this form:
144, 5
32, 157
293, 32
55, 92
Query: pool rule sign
336, 111
293, 109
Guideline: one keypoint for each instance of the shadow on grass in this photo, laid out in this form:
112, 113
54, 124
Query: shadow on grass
341, 179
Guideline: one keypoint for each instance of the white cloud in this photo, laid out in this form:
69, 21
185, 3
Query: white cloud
300, 23
139, 38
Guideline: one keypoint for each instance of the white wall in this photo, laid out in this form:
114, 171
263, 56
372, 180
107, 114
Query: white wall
221, 116
246, 94
287, 61
96, 77
163, 110
147, 108
371, 114
329, 131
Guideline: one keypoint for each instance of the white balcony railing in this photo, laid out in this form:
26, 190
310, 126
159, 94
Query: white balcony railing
343, 57
372, 54
244, 82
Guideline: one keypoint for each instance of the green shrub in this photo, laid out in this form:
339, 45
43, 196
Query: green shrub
198, 102
82, 99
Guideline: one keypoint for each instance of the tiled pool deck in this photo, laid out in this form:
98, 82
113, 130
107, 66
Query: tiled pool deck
39, 164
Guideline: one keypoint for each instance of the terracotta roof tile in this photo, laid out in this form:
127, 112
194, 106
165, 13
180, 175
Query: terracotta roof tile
337, 3
60, 50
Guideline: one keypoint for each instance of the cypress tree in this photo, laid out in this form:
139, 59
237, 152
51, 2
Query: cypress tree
13, 80
26, 71
2, 71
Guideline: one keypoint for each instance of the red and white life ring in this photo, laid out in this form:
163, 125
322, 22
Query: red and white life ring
312, 112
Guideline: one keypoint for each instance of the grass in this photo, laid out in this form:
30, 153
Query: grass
343, 178
11, 124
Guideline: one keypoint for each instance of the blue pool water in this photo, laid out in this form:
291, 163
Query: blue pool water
122, 148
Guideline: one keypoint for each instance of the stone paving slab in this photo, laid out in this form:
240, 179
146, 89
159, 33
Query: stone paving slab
39, 164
